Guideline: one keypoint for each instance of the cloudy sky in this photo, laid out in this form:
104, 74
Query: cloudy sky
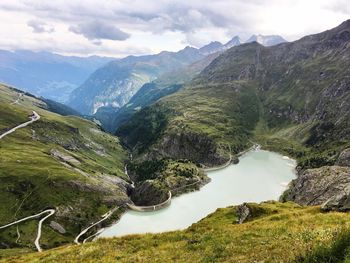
123, 27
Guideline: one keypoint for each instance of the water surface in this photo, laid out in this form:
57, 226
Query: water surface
259, 176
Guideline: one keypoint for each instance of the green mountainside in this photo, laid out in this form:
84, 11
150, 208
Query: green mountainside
66, 163
294, 92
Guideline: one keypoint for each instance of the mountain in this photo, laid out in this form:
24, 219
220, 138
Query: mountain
292, 98
212, 47
149, 93
269, 40
235, 41
115, 83
61, 162
111, 87
46, 74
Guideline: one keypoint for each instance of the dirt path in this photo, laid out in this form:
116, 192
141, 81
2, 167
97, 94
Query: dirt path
33, 118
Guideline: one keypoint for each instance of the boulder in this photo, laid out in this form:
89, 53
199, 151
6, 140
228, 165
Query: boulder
242, 212
344, 158
56, 226
338, 202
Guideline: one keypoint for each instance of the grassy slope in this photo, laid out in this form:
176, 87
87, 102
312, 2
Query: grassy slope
276, 233
32, 180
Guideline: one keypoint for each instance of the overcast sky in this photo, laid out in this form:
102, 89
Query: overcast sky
133, 27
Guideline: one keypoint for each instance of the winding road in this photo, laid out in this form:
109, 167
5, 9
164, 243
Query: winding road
104, 217
33, 118
36, 242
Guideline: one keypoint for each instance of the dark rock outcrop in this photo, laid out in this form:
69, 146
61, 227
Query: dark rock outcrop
192, 146
243, 213
149, 192
328, 185
344, 158
339, 202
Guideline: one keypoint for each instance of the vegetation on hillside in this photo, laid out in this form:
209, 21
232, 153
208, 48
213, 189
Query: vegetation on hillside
276, 232
65, 163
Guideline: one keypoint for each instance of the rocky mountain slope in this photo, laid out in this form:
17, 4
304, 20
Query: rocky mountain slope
46, 74
296, 92
114, 84
164, 85
64, 163
149, 93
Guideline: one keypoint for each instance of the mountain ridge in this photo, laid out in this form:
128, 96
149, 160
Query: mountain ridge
115, 84
46, 74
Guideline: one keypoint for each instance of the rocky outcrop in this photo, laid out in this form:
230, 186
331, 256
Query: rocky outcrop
188, 145
339, 202
328, 185
56, 226
64, 157
344, 158
149, 192
242, 213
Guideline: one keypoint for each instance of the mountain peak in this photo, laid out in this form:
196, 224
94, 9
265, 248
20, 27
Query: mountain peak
212, 47
268, 40
235, 41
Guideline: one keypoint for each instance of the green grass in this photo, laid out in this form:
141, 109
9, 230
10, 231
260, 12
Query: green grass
276, 233
337, 251
33, 180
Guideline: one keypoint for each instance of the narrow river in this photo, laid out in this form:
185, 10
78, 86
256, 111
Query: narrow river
259, 176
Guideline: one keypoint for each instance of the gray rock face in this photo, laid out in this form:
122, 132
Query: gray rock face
149, 192
243, 213
328, 185
344, 158
339, 202
192, 146
56, 226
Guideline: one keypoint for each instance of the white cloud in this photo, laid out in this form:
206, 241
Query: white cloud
96, 30
40, 27
121, 27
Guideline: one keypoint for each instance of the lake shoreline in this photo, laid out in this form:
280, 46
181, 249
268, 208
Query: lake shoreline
287, 165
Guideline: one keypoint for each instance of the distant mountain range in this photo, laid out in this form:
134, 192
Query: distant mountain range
46, 74
215, 46
90, 83
113, 85
266, 41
